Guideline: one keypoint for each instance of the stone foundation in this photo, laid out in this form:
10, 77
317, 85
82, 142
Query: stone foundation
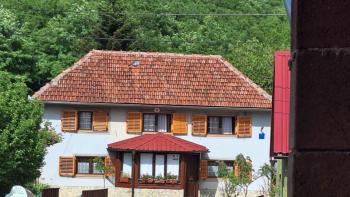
122, 192
219, 193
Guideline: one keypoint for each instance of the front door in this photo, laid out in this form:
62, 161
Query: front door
192, 166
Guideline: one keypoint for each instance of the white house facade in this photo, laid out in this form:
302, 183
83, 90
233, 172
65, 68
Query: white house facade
162, 122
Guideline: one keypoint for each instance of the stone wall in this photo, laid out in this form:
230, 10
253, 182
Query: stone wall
121, 192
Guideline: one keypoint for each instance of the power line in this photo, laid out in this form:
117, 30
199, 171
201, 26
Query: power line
155, 14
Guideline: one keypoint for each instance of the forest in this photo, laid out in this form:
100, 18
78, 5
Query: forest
39, 38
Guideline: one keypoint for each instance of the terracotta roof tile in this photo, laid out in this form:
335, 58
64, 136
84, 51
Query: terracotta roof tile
157, 142
159, 79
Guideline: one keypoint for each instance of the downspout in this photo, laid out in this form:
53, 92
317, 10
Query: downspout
133, 175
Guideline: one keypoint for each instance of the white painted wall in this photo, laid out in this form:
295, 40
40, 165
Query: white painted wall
94, 144
228, 147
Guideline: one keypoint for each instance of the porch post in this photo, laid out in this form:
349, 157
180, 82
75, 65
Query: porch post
133, 175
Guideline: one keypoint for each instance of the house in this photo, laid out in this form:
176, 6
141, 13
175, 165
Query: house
153, 114
280, 119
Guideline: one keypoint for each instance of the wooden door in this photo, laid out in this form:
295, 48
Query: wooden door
192, 175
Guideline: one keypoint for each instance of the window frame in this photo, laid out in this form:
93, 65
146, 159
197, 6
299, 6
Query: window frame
91, 120
154, 164
232, 164
91, 164
168, 118
233, 118
122, 163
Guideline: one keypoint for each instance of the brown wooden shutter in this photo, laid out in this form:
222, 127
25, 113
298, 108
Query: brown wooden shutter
203, 173
199, 124
251, 172
134, 122
67, 166
109, 164
244, 126
179, 124
69, 120
236, 169
100, 121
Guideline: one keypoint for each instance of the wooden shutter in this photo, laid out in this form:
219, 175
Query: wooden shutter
69, 120
203, 169
244, 126
67, 166
199, 124
179, 124
134, 122
251, 172
236, 169
110, 167
100, 121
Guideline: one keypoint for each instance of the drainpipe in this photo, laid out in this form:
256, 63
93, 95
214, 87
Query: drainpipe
133, 175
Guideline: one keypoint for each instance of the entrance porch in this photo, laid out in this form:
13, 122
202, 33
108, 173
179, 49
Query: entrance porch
157, 161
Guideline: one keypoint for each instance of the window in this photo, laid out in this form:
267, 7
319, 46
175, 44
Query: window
213, 167
156, 122
86, 165
85, 120
159, 164
127, 164
221, 124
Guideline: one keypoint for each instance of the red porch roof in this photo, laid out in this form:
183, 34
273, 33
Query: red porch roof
158, 143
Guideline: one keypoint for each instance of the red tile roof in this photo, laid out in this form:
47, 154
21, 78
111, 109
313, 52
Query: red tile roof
155, 79
157, 143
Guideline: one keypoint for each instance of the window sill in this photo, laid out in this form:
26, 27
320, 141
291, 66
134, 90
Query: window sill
89, 175
91, 131
221, 135
150, 132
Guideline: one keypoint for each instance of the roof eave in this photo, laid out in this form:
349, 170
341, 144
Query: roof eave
170, 151
155, 105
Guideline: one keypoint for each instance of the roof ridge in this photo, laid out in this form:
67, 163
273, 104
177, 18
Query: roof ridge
179, 144
146, 141
62, 74
159, 53
245, 78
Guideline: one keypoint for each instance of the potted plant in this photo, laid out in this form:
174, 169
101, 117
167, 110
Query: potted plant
124, 178
147, 179
171, 179
159, 179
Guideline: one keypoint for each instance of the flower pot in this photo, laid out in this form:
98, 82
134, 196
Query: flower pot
124, 179
150, 180
173, 181
168, 181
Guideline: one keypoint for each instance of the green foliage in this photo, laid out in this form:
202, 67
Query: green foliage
36, 187
236, 185
21, 147
49, 135
269, 174
104, 169
38, 39
125, 175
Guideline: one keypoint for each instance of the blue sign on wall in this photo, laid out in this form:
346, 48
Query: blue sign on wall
261, 136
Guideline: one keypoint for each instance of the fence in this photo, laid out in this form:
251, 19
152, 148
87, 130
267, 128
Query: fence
95, 193
50, 192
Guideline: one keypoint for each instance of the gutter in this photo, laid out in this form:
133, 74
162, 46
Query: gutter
157, 106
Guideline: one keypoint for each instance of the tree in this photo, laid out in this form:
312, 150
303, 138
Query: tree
104, 169
236, 183
22, 147
268, 173
44, 37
